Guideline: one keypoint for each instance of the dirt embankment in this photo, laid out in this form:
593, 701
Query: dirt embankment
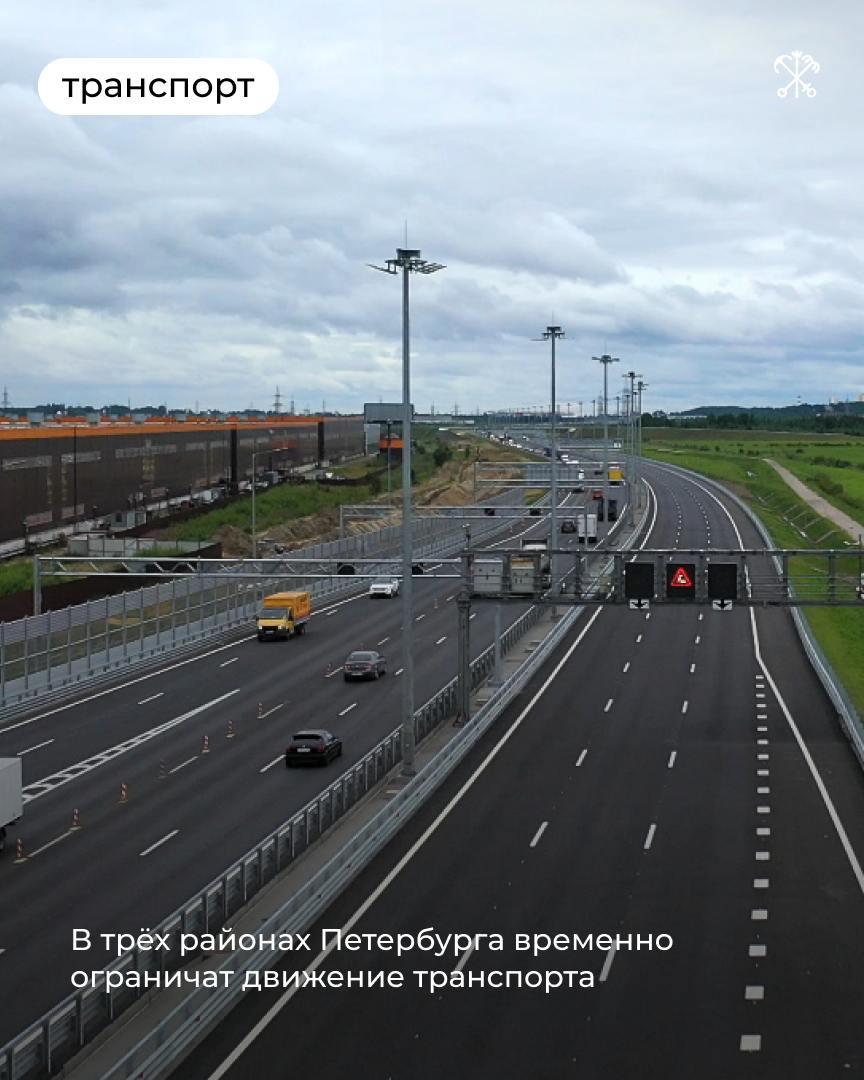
452, 485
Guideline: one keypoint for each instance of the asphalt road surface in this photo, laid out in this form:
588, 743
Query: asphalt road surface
678, 771
189, 813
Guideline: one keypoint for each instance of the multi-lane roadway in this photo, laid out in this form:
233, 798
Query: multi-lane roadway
678, 771
141, 793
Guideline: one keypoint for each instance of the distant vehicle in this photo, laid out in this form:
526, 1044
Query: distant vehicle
364, 665
597, 493
612, 510
586, 526
11, 802
284, 614
313, 747
387, 589
568, 525
616, 476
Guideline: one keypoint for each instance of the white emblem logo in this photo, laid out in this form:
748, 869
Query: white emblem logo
796, 64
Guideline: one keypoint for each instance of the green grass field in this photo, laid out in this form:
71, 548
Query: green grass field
839, 631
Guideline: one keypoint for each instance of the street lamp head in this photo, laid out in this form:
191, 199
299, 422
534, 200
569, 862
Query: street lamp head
551, 332
408, 259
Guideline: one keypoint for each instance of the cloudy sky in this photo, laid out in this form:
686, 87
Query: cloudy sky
625, 170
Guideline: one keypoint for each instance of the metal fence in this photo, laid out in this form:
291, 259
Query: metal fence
54, 651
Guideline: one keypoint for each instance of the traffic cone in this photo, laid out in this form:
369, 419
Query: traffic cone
205, 748
230, 734
76, 820
260, 709
163, 769
124, 793
19, 851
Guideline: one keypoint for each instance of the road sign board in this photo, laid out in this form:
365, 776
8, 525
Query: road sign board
639, 604
721, 605
722, 581
680, 581
638, 580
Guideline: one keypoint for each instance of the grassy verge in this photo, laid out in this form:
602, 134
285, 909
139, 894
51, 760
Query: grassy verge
16, 575
839, 631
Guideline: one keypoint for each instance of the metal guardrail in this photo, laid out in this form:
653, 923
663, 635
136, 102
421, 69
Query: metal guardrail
156, 1054
851, 720
59, 650
47, 1044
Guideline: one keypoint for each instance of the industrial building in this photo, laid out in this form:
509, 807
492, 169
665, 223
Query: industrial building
70, 470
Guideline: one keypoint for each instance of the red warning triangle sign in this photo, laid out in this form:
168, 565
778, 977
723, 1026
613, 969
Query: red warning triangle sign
681, 579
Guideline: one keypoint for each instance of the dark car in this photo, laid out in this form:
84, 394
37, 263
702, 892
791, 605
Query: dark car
568, 525
364, 665
314, 747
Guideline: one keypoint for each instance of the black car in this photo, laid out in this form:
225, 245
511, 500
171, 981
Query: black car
568, 525
314, 747
364, 665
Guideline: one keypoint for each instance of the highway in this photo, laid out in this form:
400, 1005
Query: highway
678, 771
190, 812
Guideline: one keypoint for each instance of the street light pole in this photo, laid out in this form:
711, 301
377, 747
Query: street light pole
606, 360
407, 260
631, 445
552, 333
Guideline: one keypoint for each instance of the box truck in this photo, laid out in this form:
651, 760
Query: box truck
586, 526
11, 803
284, 614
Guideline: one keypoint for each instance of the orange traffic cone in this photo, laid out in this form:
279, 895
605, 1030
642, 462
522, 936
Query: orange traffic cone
205, 748
76, 820
124, 793
230, 734
19, 851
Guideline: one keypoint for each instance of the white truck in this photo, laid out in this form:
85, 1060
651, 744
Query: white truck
11, 805
586, 527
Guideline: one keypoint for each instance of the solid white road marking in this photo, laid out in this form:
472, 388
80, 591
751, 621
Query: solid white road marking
763, 830
50, 844
650, 837
638, 638
38, 746
760, 883
763, 856
399, 672
350, 707
626, 668
183, 764
270, 764
672, 757
271, 711
233, 660
684, 707
607, 964
383, 641
754, 993
763, 772
473, 615
446, 598
538, 834
759, 915
692, 668
608, 705
384, 884
763, 790
72, 772
802, 746
161, 693
701, 616
333, 612
441, 640
581, 758
763, 809
419, 617
751, 1043
698, 639
758, 950
335, 671
159, 843
463, 959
